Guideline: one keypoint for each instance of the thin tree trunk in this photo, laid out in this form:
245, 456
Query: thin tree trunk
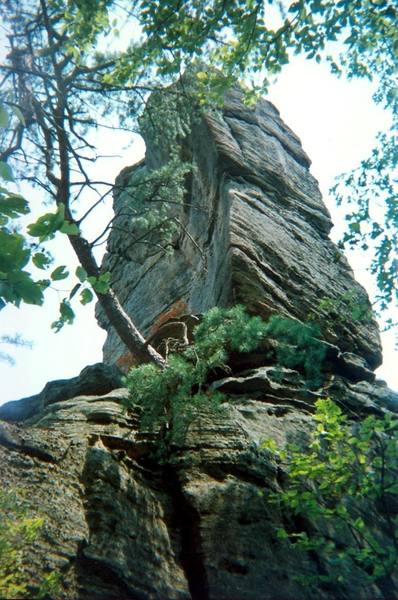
58, 148
117, 316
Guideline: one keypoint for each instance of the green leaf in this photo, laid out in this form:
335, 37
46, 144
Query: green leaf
355, 227
14, 254
81, 274
75, 289
47, 225
20, 286
13, 205
44, 283
101, 287
6, 172
86, 296
105, 277
282, 534
67, 316
101, 284
66, 311
29, 290
41, 260
59, 273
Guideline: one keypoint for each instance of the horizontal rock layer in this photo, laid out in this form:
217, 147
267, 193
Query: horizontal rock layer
255, 232
120, 524
92, 380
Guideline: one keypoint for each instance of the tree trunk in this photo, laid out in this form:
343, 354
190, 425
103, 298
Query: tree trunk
117, 316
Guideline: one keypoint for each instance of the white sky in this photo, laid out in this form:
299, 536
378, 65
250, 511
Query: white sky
337, 123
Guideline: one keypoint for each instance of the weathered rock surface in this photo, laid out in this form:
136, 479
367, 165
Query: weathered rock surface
256, 233
121, 522
93, 380
106, 521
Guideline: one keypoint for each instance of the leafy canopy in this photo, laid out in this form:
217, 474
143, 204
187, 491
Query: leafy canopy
358, 39
16, 283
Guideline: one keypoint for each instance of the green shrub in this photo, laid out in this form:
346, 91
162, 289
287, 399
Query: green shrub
340, 312
18, 531
299, 346
343, 485
170, 397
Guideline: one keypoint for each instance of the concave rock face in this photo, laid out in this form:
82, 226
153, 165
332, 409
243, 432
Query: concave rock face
121, 522
255, 232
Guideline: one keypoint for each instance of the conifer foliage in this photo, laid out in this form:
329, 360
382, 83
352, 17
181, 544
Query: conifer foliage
168, 397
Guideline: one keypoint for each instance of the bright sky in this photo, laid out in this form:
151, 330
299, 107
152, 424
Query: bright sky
337, 123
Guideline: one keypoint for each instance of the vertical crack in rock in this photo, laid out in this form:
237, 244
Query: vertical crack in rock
131, 545
187, 521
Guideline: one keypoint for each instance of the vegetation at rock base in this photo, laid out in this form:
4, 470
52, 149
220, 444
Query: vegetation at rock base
18, 531
340, 496
55, 77
170, 397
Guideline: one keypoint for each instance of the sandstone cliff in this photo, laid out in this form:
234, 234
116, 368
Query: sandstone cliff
119, 522
257, 234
